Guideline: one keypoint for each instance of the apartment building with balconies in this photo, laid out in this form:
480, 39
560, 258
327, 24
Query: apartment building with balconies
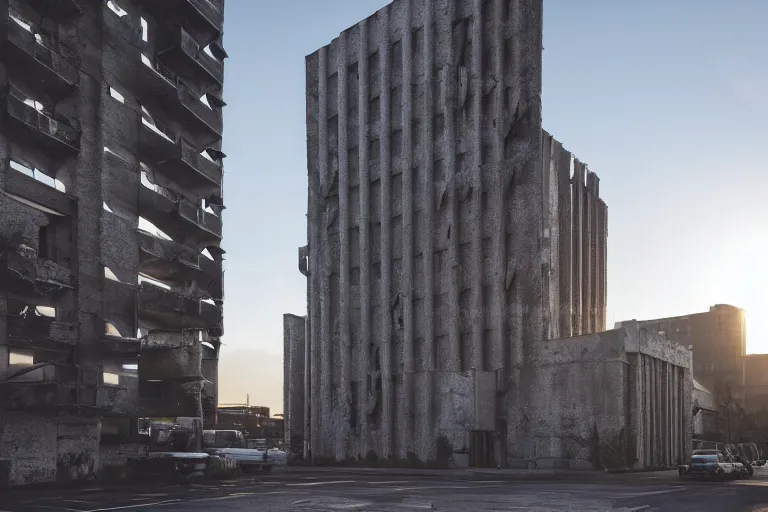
111, 281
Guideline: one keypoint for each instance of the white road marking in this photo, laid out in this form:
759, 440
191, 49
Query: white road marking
125, 507
647, 493
306, 484
388, 482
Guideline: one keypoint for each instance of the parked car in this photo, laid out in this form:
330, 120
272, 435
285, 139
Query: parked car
232, 444
713, 464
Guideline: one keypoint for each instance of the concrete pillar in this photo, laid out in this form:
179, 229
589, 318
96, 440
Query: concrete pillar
587, 307
578, 255
565, 241
365, 236
385, 430
294, 339
452, 171
407, 395
476, 161
427, 114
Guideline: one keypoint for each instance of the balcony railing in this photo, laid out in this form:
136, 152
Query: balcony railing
55, 138
184, 56
205, 16
161, 90
42, 67
188, 168
171, 310
59, 10
24, 273
179, 219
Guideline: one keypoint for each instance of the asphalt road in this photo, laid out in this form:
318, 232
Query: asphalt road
306, 491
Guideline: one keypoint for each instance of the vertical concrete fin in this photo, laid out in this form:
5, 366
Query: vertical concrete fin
406, 400
577, 192
565, 243
452, 165
477, 313
494, 192
342, 426
365, 238
427, 106
386, 249
586, 262
602, 254
324, 267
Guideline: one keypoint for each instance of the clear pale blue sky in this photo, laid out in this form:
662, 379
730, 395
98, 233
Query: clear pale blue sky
666, 101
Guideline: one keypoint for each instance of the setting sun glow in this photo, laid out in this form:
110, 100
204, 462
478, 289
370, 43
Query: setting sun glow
743, 282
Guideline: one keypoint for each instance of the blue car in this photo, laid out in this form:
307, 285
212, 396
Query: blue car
713, 464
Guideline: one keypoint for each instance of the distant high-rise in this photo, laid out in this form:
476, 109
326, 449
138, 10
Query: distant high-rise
110, 226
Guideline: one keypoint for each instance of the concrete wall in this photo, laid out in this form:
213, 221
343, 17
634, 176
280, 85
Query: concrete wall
573, 401
616, 399
49, 448
294, 348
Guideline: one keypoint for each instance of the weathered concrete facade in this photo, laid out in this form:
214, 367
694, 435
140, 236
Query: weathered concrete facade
446, 231
111, 281
616, 399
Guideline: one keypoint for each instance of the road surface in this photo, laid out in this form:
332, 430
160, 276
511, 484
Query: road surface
371, 492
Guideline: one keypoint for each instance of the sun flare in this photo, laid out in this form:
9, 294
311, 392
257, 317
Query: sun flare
745, 284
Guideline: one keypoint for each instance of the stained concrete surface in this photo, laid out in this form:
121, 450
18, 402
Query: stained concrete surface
380, 491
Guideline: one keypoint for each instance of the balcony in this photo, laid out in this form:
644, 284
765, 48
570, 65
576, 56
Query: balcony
21, 121
51, 387
180, 162
165, 399
205, 17
180, 219
171, 262
60, 10
23, 273
185, 58
171, 96
40, 66
27, 187
166, 309
30, 329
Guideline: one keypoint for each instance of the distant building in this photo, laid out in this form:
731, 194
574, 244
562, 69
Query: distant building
718, 339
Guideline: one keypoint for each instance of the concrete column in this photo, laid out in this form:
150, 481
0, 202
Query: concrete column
548, 229
495, 208
587, 307
476, 215
294, 338
315, 164
341, 430
577, 186
565, 241
365, 237
307, 425
426, 238
385, 173
448, 108
407, 389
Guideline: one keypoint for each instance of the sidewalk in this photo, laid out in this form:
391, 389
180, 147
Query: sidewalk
489, 473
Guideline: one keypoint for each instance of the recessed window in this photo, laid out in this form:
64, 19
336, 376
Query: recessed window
21, 358
111, 379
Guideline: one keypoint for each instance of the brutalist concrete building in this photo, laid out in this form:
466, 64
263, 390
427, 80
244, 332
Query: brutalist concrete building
449, 240
111, 200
